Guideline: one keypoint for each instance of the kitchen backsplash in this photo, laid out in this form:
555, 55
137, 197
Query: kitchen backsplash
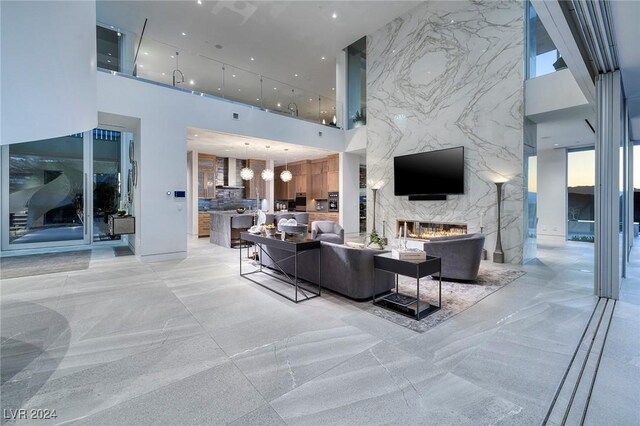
226, 199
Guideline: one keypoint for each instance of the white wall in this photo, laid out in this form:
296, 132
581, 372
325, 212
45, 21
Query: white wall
165, 114
552, 192
552, 92
48, 69
349, 197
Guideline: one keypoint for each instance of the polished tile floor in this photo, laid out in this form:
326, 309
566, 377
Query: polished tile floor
190, 342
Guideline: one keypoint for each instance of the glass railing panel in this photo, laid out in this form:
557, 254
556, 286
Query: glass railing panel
180, 68
241, 86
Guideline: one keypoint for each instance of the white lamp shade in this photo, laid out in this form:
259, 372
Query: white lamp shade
267, 174
286, 176
246, 173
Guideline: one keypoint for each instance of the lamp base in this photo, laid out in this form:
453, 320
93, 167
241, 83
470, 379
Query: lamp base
498, 257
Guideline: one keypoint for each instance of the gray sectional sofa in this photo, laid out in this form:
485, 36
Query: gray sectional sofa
345, 270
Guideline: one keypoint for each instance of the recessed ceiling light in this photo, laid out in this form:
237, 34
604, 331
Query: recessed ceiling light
310, 99
295, 75
184, 34
172, 56
334, 16
109, 60
112, 27
119, 34
555, 144
219, 88
452, 21
191, 82
257, 99
199, 1
333, 88
141, 66
233, 75
146, 53
252, 59
323, 58
109, 54
279, 104
275, 88
164, 74
239, 90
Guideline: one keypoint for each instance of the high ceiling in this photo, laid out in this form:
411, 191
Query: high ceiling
284, 38
567, 128
626, 16
233, 146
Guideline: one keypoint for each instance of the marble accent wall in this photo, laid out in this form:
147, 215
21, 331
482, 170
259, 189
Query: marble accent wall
448, 74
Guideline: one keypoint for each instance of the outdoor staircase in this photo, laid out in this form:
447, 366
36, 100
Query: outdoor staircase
571, 400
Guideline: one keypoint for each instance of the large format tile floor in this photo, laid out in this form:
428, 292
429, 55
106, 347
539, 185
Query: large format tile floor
190, 342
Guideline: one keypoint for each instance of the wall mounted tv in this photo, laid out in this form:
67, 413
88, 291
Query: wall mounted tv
430, 175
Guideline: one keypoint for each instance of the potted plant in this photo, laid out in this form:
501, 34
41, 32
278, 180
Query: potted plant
360, 119
375, 241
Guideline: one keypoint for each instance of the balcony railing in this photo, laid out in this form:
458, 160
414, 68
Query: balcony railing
175, 67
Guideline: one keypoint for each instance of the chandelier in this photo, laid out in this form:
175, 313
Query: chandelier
286, 175
246, 173
267, 173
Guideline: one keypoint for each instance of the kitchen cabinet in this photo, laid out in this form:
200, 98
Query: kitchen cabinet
319, 186
333, 163
300, 184
204, 219
333, 181
255, 188
206, 176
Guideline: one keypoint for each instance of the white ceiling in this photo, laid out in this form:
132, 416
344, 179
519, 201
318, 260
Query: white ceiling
567, 128
233, 146
284, 38
626, 16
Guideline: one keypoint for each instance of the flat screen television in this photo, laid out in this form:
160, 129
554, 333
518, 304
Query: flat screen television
438, 172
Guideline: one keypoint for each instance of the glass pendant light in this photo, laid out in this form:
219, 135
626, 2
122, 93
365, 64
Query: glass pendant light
246, 173
267, 173
286, 175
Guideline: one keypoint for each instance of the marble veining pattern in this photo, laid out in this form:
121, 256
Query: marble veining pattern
449, 74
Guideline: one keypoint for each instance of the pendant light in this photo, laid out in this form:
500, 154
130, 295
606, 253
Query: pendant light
286, 175
246, 173
267, 173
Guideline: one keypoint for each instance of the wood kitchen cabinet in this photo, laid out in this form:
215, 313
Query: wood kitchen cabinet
204, 219
333, 182
333, 163
319, 186
315, 217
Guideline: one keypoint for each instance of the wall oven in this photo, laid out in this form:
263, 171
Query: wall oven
333, 201
301, 201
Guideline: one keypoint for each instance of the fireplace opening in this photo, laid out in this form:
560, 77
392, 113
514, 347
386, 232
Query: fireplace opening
417, 230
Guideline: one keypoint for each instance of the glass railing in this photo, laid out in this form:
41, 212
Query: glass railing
171, 66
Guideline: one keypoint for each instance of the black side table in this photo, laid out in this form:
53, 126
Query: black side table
402, 303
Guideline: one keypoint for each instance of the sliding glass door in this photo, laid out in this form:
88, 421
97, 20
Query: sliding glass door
44, 193
61, 191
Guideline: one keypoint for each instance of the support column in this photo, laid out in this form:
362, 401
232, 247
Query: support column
349, 198
607, 205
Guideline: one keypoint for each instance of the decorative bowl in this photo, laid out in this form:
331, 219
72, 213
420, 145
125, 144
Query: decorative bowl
270, 232
241, 210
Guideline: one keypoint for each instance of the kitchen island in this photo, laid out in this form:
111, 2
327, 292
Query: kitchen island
225, 224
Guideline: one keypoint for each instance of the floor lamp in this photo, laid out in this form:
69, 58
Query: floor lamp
498, 254
375, 189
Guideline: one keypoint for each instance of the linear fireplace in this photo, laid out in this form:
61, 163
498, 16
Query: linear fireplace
417, 230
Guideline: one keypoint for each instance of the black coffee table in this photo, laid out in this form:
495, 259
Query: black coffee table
405, 304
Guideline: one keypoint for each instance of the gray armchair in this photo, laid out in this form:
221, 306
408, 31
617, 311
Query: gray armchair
460, 254
326, 230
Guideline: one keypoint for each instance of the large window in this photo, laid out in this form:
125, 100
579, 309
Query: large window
106, 179
357, 83
46, 191
581, 179
543, 57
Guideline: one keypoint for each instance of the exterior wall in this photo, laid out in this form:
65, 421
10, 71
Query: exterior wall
552, 192
449, 74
